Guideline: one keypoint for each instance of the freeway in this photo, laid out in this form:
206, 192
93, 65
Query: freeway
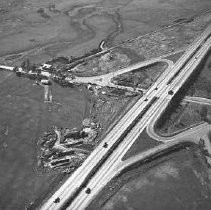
124, 132
150, 128
105, 173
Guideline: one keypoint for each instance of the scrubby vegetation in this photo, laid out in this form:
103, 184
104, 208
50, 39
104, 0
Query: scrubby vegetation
140, 78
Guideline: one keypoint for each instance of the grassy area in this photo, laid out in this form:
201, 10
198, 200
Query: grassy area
142, 143
107, 107
109, 62
178, 180
23, 118
152, 45
41, 30
201, 84
169, 39
180, 116
142, 77
174, 57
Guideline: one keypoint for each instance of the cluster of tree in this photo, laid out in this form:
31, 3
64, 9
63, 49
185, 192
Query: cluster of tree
86, 54
128, 79
42, 13
61, 59
62, 82
59, 72
25, 65
52, 8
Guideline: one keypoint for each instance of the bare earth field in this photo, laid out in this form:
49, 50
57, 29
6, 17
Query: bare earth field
44, 29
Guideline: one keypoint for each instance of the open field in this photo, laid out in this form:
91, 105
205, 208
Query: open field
44, 29
178, 180
23, 118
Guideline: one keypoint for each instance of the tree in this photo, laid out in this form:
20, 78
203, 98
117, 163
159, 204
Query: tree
27, 65
203, 113
33, 68
23, 65
15, 69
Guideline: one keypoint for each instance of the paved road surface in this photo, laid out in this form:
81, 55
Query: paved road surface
104, 174
159, 89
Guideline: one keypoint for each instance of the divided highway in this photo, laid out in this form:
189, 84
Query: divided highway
95, 171
108, 169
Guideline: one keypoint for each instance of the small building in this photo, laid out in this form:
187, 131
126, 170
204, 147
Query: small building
46, 66
46, 82
45, 73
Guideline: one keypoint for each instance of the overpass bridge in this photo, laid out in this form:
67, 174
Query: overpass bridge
78, 191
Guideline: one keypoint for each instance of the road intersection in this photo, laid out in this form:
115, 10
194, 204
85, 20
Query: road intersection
96, 171
81, 187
